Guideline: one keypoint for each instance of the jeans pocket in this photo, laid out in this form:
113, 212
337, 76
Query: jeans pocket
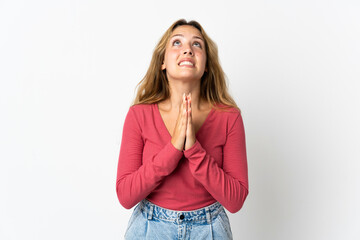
134, 215
225, 223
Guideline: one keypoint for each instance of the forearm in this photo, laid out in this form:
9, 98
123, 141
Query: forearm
224, 187
136, 181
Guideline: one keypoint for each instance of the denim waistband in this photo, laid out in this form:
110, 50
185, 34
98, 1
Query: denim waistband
205, 214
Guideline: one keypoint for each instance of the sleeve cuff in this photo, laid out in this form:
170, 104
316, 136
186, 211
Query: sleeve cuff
162, 164
173, 150
193, 150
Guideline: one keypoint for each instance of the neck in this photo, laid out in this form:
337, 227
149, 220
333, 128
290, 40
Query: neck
178, 88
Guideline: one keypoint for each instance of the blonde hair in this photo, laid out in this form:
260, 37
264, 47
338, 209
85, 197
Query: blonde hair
154, 87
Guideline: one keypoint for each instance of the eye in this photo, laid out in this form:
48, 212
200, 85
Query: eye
176, 43
197, 44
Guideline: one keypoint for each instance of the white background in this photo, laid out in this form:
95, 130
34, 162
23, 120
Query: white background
68, 72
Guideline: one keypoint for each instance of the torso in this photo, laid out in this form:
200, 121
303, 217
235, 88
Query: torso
169, 117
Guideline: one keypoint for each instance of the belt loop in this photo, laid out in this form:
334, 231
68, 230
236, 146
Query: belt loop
151, 210
208, 217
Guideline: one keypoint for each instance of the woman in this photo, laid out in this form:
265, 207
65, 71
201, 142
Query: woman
182, 155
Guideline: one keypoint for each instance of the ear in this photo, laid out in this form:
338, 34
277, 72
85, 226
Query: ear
163, 66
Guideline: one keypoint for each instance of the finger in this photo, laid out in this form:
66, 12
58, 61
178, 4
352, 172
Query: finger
183, 101
189, 101
182, 106
184, 111
184, 114
189, 112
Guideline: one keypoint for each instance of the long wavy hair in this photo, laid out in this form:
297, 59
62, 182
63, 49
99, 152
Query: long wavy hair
154, 87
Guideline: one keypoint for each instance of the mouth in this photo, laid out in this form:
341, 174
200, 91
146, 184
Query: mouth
186, 63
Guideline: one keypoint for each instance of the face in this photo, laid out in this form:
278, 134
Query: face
185, 54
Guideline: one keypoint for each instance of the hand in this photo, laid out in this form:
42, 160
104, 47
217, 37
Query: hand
190, 131
179, 134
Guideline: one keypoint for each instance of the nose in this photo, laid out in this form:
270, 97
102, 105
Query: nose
188, 51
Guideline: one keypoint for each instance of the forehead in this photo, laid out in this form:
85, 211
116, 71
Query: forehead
187, 30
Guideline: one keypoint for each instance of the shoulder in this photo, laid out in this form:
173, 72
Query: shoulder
228, 116
138, 115
141, 109
226, 111
142, 112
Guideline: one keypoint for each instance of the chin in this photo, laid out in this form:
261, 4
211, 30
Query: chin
188, 78
185, 76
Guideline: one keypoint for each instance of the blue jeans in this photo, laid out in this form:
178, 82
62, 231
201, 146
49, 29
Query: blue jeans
150, 221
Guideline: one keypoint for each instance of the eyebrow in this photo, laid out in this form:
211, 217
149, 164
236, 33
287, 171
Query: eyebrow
180, 35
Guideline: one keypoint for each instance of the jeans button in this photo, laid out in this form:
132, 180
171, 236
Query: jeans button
182, 217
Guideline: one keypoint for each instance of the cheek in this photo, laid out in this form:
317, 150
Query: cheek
173, 53
171, 56
202, 56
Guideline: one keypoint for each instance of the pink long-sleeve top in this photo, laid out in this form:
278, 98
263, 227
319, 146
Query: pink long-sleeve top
213, 169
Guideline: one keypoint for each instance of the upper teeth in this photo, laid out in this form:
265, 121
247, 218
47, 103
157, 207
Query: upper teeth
186, 63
